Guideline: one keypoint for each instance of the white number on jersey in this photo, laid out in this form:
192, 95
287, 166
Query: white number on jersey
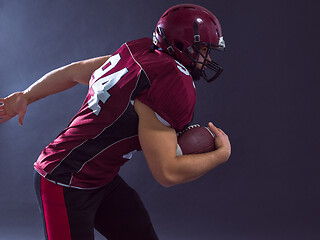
101, 86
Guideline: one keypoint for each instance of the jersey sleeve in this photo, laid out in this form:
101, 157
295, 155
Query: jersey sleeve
172, 96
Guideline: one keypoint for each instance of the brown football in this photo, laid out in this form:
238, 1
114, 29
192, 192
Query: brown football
195, 139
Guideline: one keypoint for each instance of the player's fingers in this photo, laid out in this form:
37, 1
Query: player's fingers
20, 118
220, 130
213, 128
4, 119
1, 107
217, 131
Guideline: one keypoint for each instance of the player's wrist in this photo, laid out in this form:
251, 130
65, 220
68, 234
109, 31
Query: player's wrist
222, 153
27, 96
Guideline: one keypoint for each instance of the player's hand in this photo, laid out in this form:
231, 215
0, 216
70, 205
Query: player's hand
221, 140
14, 104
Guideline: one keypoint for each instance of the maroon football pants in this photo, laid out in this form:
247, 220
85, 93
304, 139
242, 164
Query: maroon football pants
114, 210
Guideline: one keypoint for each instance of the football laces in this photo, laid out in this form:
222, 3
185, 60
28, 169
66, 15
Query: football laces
188, 128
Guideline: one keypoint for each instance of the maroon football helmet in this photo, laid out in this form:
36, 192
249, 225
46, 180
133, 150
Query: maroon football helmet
183, 30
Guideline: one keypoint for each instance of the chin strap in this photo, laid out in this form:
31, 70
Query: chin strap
169, 47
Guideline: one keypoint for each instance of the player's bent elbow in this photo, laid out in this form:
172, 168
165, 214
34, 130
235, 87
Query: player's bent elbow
165, 183
165, 178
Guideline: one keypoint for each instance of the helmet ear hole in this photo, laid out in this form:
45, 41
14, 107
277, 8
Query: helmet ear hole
158, 31
179, 45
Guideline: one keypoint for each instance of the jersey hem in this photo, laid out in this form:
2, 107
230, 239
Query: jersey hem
61, 184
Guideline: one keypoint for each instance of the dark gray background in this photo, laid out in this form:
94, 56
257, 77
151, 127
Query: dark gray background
266, 100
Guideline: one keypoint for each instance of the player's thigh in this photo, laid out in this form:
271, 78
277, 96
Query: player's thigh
122, 215
67, 213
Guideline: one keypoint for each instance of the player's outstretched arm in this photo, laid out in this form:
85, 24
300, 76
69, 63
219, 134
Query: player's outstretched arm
53, 82
159, 145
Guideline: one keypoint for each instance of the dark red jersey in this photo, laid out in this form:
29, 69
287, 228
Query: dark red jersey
103, 134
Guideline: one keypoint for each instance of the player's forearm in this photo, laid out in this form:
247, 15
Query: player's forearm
63, 78
53, 82
187, 168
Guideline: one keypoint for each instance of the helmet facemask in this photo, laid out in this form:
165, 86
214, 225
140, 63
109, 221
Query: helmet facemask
209, 70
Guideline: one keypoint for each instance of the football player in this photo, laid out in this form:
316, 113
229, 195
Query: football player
138, 98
